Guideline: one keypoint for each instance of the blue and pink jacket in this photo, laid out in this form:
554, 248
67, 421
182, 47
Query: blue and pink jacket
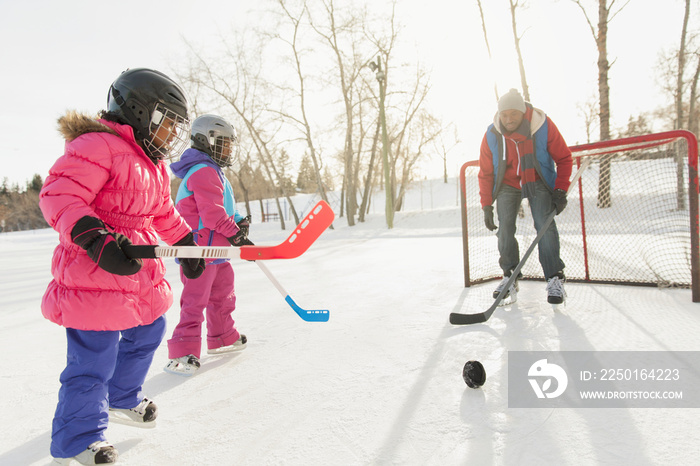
205, 199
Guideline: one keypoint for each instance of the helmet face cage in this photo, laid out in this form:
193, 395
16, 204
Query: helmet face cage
169, 133
155, 107
222, 149
216, 137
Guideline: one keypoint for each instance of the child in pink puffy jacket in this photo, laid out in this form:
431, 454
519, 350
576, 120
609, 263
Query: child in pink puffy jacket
111, 189
205, 199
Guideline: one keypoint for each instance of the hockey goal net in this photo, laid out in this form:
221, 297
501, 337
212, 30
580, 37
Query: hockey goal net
631, 219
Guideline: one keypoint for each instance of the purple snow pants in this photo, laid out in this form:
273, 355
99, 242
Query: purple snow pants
214, 291
104, 369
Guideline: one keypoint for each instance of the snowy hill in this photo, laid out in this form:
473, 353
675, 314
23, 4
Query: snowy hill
380, 383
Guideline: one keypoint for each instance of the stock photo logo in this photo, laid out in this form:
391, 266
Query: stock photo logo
603, 379
541, 375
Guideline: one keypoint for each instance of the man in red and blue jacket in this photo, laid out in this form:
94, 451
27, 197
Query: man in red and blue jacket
523, 155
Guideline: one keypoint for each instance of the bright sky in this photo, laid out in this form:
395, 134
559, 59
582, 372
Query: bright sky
64, 55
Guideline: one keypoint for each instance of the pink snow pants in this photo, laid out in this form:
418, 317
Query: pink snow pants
212, 291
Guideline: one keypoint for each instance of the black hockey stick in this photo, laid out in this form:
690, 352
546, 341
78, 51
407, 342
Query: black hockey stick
466, 319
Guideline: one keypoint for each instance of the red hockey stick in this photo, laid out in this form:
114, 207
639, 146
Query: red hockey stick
303, 236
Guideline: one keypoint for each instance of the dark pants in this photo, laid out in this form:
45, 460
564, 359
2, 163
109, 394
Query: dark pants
105, 369
507, 205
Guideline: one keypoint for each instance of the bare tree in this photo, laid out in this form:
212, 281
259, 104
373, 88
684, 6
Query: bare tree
486, 40
339, 33
425, 130
276, 109
680, 83
383, 42
242, 94
589, 111
413, 118
369, 177
606, 14
303, 121
442, 147
693, 113
20, 210
514, 5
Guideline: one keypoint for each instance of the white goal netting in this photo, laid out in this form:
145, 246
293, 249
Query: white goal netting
628, 220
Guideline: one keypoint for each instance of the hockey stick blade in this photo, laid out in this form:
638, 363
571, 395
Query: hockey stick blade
308, 316
303, 236
467, 319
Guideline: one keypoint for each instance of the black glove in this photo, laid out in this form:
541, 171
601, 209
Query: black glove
488, 218
244, 224
559, 200
241, 238
104, 247
192, 268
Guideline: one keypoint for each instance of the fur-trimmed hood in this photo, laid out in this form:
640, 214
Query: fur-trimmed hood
74, 124
103, 173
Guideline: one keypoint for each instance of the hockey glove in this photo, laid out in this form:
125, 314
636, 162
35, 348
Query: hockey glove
241, 238
192, 268
488, 218
104, 247
559, 200
244, 224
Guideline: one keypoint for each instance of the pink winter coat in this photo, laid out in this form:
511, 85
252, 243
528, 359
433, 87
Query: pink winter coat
105, 174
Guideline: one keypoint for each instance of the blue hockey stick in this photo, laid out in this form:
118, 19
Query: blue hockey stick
309, 316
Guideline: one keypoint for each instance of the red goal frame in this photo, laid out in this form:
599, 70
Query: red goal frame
608, 147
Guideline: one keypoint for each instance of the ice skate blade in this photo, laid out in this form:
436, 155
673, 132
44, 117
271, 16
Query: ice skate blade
227, 349
181, 372
558, 307
65, 461
511, 299
506, 303
119, 418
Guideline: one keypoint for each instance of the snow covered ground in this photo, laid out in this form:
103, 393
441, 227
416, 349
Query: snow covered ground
380, 383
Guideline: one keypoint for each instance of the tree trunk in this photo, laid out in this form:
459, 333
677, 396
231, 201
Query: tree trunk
680, 197
693, 117
521, 64
370, 174
488, 47
388, 185
604, 182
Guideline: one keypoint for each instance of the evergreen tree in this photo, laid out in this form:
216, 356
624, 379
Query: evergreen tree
306, 180
35, 184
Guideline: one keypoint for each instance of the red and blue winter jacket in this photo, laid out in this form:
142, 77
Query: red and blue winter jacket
501, 152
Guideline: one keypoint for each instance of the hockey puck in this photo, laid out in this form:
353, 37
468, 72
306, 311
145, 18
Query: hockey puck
474, 374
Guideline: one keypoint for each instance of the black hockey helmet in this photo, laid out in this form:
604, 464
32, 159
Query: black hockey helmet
156, 108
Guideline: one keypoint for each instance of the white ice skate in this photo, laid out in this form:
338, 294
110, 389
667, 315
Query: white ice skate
239, 345
100, 452
185, 365
142, 415
511, 295
556, 296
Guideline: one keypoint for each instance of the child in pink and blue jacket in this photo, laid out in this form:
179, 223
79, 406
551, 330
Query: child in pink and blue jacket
205, 199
